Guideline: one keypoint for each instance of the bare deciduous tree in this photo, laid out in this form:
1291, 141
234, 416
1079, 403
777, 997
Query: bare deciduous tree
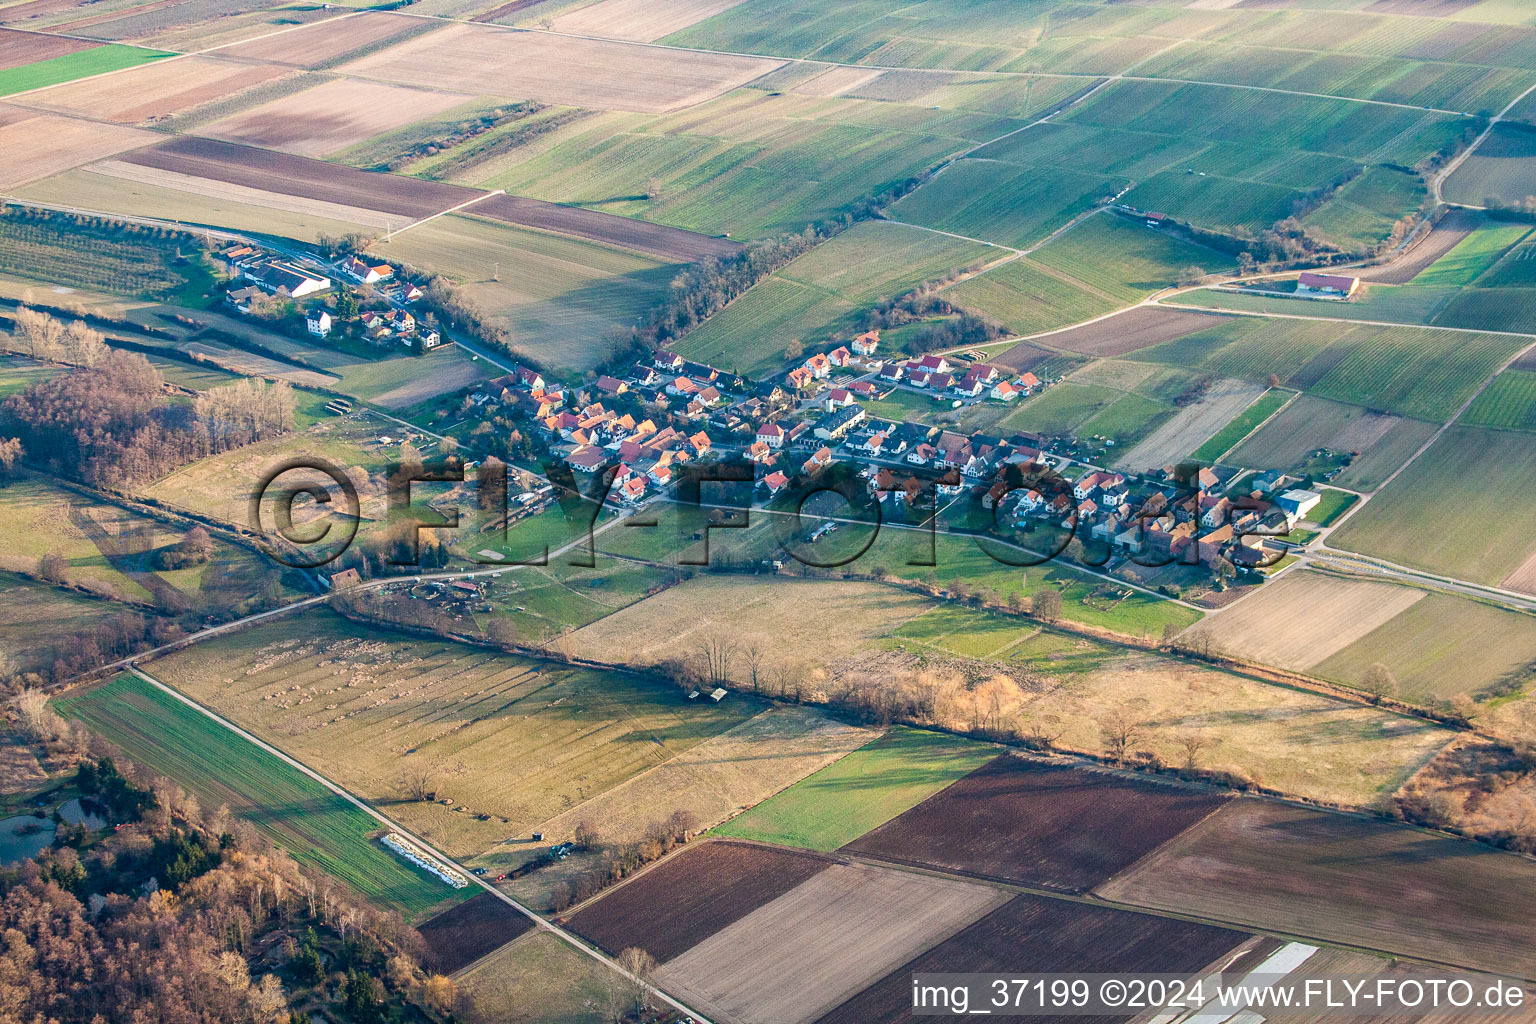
1118, 731
717, 651
1379, 682
639, 967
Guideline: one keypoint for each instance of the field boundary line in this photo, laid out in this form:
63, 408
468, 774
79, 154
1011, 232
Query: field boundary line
1220, 311
442, 213
1327, 532
1461, 157
1260, 426
277, 32
540, 924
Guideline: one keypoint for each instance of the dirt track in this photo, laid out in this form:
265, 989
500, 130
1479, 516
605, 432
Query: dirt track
1453, 227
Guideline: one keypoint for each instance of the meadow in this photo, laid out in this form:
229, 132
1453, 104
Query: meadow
17, 373
1473, 256
540, 979
861, 791
95, 61
314, 825
34, 616
1361, 214
815, 297
555, 295
368, 707
109, 550
1459, 509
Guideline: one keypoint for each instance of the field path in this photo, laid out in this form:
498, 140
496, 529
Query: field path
539, 923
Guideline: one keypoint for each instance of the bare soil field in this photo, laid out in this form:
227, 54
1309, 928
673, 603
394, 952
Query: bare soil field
1303, 618
316, 44
1442, 238
839, 931
1348, 879
1024, 821
331, 117
37, 147
1137, 328
1025, 356
300, 176
18, 48
36, 9
153, 91
787, 617
1192, 425
1038, 934
639, 20
672, 907
222, 195
470, 930
1524, 576
655, 239
720, 777
489, 60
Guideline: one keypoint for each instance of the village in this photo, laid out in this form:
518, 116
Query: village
643, 427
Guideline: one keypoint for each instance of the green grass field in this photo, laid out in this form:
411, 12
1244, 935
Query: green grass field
1123, 258
1509, 402
94, 61
1461, 509
318, 828
1027, 300
1471, 257
17, 373
862, 791
816, 296
970, 634
1332, 504
1361, 214
556, 295
1241, 425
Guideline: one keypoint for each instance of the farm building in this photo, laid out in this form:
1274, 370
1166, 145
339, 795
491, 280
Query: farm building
282, 277
1297, 503
1327, 286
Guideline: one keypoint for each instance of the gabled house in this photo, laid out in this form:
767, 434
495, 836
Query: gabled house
839, 357
893, 372
839, 398
318, 323
818, 461
1004, 391
866, 343
667, 361
699, 443
771, 435
775, 482
931, 363
800, 377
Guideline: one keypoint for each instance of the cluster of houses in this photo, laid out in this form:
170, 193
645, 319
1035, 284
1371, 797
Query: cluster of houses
272, 276
938, 375
593, 435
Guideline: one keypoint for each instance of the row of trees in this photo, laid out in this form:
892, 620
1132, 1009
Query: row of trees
109, 423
